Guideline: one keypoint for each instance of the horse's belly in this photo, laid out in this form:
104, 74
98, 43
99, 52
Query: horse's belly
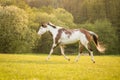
69, 40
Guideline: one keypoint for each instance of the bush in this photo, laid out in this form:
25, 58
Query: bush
15, 36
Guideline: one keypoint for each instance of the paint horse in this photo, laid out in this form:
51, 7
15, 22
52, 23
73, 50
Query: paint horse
62, 36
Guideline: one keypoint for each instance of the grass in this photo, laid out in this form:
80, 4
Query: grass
35, 67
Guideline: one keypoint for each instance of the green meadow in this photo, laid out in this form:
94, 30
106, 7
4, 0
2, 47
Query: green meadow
35, 67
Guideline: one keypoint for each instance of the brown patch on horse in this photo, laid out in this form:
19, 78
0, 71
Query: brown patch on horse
69, 32
81, 48
87, 34
58, 35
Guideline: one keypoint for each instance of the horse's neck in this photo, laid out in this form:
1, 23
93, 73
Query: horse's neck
52, 30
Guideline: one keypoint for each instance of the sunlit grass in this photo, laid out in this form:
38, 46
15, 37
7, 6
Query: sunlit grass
35, 67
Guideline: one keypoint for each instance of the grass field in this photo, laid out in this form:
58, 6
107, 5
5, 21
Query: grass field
35, 67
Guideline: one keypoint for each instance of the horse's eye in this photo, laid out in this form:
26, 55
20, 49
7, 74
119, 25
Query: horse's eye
44, 26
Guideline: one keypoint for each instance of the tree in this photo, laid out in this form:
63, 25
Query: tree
15, 36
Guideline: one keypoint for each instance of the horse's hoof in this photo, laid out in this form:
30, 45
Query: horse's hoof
93, 61
76, 60
47, 59
68, 59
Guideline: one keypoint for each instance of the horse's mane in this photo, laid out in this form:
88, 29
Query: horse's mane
49, 23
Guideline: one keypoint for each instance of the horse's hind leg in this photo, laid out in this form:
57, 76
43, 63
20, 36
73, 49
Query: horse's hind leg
90, 52
80, 51
62, 52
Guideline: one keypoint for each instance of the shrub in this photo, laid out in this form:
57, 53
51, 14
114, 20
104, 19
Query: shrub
15, 36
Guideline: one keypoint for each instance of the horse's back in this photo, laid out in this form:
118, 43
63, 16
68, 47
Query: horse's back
72, 36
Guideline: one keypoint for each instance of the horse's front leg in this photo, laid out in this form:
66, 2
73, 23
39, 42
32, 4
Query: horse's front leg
62, 52
51, 51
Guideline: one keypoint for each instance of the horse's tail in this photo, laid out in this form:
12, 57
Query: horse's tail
99, 47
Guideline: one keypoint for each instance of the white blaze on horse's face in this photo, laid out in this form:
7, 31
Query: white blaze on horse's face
42, 30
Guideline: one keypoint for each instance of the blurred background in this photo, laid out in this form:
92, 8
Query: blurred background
20, 20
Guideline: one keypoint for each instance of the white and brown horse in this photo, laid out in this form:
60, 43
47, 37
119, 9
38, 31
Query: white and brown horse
62, 36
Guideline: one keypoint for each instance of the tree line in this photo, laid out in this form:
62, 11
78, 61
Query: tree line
21, 19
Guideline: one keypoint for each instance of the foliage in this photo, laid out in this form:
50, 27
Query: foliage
84, 10
90, 14
18, 3
34, 18
57, 16
15, 36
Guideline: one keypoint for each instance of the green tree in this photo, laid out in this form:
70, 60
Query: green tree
15, 36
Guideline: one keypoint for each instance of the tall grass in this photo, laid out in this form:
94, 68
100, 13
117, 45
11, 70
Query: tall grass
35, 67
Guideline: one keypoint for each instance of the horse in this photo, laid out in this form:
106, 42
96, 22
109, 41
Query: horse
62, 36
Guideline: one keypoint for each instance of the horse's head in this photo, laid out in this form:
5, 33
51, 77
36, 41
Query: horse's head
43, 29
